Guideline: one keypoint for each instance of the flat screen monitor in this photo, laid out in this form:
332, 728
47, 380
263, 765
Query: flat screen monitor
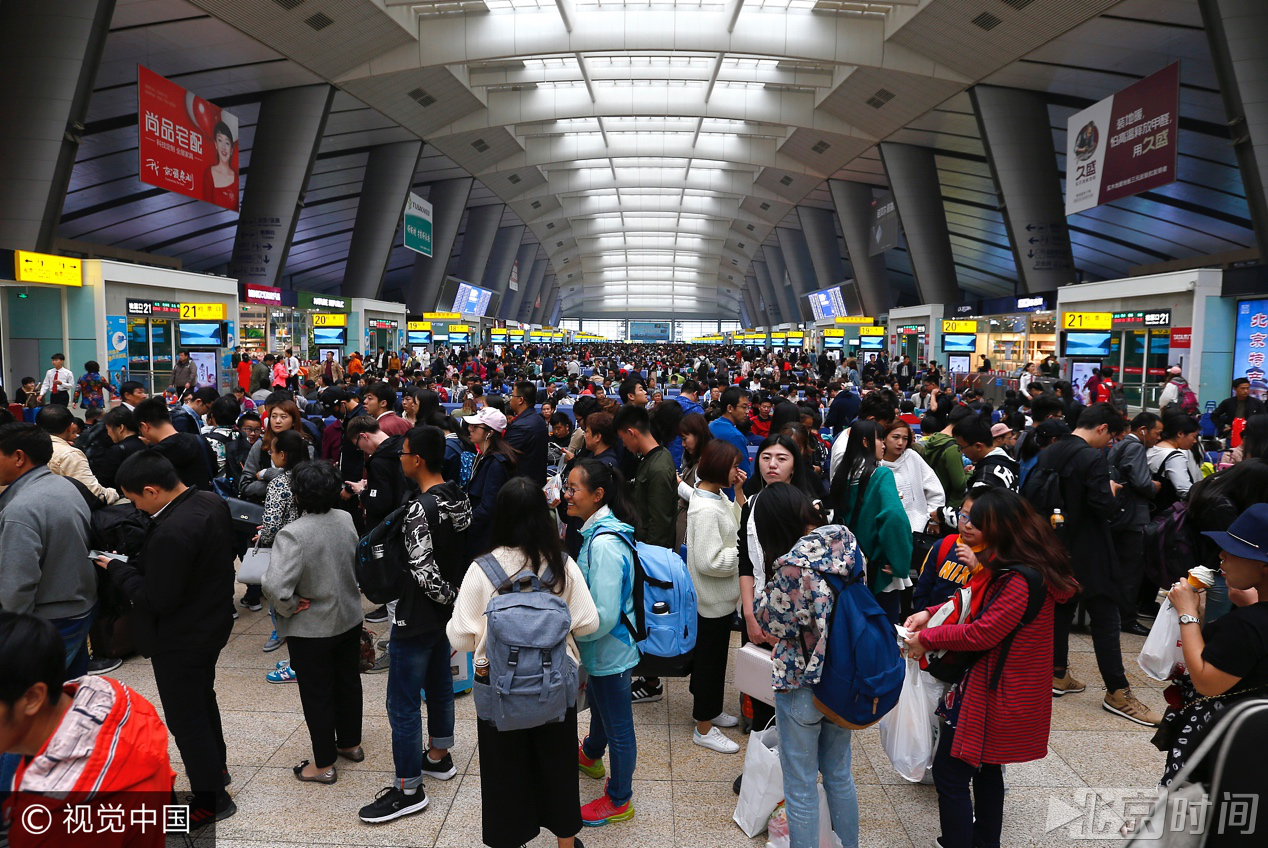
959, 343
1085, 344
871, 343
827, 304
650, 331
419, 337
833, 342
202, 334
472, 300
458, 338
326, 336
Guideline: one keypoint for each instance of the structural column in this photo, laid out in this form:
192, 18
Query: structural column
546, 295
389, 172
49, 55
913, 177
477, 241
853, 202
781, 284
1017, 135
497, 273
774, 312
1235, 30
820, 233
509, 308
532, 291
756, 308
448, 198
801, 271
287, 137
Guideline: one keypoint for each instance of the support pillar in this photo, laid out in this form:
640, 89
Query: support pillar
774, 313
448, 198
477, 241
497, 274
534, 290
781, 285
756, 308
389, 172
913, 176
1235, 30
801, 271
509, 309
853, 202
49, 55
1017, 135
820, 233
287, 137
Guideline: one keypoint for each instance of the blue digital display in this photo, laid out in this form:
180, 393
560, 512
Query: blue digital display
201, 335
1086, 344
472, 300
330, 335
959, 343
650, 331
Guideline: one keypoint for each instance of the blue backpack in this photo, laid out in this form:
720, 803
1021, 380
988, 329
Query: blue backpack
863, 671
664, 626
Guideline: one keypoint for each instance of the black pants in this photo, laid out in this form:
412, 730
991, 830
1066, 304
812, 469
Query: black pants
708, 666
330, 691
59, 398
1130, 547
528, 780
186, 683
1103, 613
956, 809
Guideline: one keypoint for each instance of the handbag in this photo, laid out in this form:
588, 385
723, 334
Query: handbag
254, 563
246, 512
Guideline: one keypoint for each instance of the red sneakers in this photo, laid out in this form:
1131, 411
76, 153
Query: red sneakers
600, 811
590, 768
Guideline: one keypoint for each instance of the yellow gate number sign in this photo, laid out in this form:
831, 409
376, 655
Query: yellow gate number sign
202, 312
329, 319
1087, 320
951, 326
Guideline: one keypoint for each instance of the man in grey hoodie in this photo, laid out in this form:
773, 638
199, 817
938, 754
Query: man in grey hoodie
44, 542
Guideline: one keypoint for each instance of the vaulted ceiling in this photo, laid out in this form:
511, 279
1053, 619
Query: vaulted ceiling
654, 149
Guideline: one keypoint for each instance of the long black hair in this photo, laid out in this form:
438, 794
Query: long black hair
800, 475
521, 520
600, 475
782, 514
858, 462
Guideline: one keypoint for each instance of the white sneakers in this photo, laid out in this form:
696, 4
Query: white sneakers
714, 740
725, 720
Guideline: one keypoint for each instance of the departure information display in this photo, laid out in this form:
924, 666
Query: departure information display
827, 304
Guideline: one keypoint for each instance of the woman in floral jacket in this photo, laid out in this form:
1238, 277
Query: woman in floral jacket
793, 606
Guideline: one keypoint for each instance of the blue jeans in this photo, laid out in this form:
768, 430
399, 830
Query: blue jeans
1217, 603
418, 662
74, 633
810, 744
612, 727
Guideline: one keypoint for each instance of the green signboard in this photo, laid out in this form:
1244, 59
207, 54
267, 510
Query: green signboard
322, 302
418, 225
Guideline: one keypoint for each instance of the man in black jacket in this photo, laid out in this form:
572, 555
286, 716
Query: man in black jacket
1240, 405
181, 589
435, 538
1129, 464
189, 454
1087, 497
528, 432
384, 487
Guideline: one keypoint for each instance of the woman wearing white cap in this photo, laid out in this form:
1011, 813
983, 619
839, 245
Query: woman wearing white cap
495, 464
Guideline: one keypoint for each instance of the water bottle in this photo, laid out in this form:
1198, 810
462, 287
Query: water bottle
482, 671
660, 608
1058, 520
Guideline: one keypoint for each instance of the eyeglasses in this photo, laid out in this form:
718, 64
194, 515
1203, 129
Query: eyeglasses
963, 518
570, 490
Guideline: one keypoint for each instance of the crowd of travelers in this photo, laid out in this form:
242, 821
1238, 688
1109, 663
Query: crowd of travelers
522, 506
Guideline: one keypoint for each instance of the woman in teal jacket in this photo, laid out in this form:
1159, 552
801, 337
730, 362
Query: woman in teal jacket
867, 501
594, 495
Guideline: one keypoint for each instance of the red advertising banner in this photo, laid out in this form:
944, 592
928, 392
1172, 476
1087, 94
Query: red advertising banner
1124, 144
187, 145
1181, 337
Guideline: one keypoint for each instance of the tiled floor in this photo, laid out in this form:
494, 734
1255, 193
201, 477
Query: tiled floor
682, 792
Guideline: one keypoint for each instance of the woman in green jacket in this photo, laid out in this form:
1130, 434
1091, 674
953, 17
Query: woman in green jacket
867, 501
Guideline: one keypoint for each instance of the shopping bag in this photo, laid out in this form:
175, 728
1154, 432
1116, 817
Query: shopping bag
906, 730
254, 563
1162, 658
763, 786
777, 829
583, 689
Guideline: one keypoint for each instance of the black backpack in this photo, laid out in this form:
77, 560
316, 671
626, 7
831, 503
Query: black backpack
1042, 490
383, 560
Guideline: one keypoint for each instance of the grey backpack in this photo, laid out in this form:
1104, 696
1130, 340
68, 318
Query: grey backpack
532, 680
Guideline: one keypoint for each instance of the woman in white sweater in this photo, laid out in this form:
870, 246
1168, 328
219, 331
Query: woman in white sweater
918, 485
713, 558
524, 535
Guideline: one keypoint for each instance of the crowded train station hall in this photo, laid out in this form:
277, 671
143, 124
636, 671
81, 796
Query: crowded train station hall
633, 423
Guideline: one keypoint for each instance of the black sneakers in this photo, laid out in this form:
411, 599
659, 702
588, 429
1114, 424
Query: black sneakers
643, 692
442, 770
378, 615
104, 665
393, 803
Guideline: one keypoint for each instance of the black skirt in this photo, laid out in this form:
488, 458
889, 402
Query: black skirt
528, 781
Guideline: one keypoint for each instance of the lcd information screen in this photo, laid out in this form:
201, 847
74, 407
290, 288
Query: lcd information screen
199, 334
472, 300
959, 343
330, 335
1085, 344
827, 304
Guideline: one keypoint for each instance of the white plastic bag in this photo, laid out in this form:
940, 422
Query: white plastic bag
907, 731
763, 786
1162, 657
777, 833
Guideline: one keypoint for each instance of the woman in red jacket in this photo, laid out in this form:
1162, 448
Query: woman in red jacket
1000, 711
